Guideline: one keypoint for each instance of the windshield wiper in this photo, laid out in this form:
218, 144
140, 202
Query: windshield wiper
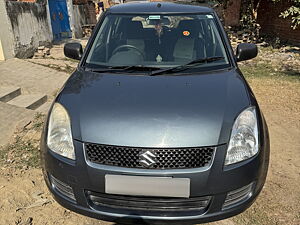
187, 66
122, 68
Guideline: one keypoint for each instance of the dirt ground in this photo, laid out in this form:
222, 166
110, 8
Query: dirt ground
25, 199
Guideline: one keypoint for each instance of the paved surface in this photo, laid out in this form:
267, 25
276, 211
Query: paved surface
33, 80
10, 117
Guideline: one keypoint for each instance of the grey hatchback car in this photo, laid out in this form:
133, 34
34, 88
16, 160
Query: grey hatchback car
157, 124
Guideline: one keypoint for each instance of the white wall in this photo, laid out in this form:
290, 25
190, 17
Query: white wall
79, 20
49, 19
6, 36
30, 27
71, 16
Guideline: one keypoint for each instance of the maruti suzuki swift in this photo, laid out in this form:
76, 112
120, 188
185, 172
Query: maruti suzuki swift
157, 124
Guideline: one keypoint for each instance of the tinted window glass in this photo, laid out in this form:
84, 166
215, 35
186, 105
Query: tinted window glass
157, 41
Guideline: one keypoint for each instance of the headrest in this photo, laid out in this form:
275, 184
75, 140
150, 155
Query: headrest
134, 29
190, 26
134, 25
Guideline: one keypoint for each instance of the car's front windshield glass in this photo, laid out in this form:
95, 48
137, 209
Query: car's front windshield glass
156, 40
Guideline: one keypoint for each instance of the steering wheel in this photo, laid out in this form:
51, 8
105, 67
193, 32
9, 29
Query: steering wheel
128, 46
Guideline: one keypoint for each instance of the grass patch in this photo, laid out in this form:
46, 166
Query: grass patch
282, 64
3, 154
38, 121
69, 69
253, 216
66, 68
70, 60
24, 151
265, 70
21, 153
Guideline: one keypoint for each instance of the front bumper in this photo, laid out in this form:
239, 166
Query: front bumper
216, 181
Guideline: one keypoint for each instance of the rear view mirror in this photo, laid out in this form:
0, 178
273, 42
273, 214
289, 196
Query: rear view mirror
246, 51
166, 22
73, 50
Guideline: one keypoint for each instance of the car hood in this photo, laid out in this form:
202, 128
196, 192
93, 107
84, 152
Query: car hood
154, 111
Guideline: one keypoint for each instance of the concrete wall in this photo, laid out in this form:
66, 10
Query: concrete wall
6, 36
71, 16
30, 26
83, 15
2, 57
80, 19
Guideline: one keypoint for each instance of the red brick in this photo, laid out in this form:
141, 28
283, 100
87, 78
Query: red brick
272, 24
232, 13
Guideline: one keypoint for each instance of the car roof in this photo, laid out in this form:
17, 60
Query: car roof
158, 7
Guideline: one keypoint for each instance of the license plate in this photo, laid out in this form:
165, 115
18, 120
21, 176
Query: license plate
147, 186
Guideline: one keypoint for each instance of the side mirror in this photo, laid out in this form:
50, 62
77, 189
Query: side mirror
73, 50
246, 51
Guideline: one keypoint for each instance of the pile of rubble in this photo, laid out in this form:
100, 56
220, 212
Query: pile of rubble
283, 59
244, 36
87, 30
41, 52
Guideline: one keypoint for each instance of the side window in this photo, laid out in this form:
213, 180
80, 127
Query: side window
218, 49
99, 41
211, 41
115, 32
102, 33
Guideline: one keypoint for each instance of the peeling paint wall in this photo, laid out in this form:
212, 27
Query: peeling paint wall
30, 26
79, 20
71, 16
83, 15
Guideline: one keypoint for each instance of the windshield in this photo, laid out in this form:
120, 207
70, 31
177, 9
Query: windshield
160, 41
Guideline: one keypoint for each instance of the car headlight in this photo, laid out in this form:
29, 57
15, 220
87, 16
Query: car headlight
243, 142
59, 138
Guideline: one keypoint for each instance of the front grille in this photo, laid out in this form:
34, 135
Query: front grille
62, 188
165, 158
147, 203
238, 196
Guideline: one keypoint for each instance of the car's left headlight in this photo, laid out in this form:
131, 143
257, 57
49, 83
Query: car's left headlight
243, 142
59, 138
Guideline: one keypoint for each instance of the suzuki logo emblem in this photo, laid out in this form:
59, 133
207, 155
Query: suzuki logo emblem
147, 159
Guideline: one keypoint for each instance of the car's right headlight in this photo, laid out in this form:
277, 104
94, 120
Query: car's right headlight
243, 142
59, 138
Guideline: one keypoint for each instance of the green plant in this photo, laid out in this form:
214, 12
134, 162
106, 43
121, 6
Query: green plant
249, 11
38, 121
24, 150
294, 13
20, 153
250, 8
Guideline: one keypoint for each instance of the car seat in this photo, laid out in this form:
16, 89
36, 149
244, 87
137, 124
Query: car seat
134, 35
190, 44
